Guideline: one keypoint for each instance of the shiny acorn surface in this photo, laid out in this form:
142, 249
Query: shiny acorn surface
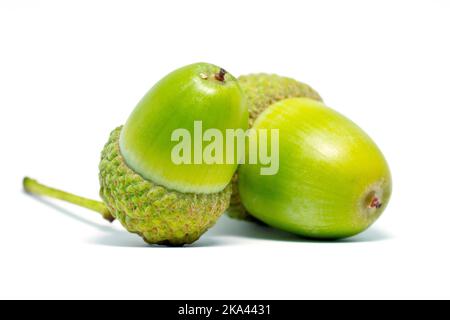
333, 181
198, 92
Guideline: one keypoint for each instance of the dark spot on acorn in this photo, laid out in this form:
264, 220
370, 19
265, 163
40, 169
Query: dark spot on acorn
375, 203
220, 76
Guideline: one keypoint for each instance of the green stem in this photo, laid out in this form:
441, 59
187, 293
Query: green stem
33, 187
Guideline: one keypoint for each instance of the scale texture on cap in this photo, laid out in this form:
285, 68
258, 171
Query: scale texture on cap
159, 215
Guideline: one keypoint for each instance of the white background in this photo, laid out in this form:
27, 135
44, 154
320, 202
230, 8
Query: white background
72, 71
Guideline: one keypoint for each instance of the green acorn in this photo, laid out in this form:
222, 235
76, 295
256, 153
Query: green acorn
164, 201
333, 181
261, 91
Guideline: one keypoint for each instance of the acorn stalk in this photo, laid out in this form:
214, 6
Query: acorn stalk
34, 187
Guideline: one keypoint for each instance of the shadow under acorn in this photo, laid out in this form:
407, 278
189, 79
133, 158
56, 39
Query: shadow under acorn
228, 227
220, 235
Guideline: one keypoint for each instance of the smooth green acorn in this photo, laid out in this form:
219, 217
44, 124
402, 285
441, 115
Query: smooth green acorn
152, 195
262, 90
333, 181
196, 92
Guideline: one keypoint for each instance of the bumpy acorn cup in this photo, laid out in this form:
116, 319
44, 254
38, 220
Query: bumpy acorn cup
141, 186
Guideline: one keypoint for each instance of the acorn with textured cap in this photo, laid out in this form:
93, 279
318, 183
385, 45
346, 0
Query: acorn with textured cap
141, 186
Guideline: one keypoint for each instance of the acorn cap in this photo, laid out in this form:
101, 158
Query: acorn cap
157, 214
198, 92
